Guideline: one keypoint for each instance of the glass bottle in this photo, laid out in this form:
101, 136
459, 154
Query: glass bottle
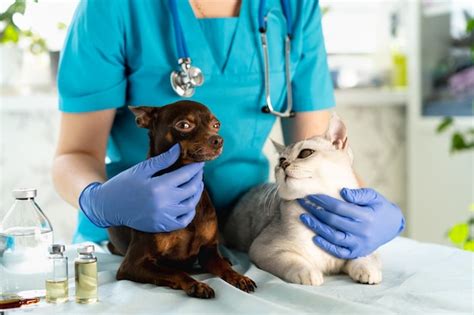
57, 290
398, 52
85, 267
25, 235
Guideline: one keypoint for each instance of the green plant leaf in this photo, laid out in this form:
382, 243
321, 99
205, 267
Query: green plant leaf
457, 142
61, 26
469, 245
19, 6
10, 34
470, 25
444, 124
459, 233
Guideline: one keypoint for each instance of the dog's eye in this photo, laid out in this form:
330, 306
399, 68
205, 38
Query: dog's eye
305, 153
183, 125
216, 125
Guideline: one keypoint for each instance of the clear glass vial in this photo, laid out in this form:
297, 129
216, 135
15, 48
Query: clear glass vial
57, 290
25, 235
85, 267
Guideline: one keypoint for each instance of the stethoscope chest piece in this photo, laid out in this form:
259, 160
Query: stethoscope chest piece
185, 81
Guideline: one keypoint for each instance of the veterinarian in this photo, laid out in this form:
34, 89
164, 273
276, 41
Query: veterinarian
122, 52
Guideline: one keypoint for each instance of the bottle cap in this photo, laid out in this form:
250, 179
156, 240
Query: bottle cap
88, 249
24, 193
57, 249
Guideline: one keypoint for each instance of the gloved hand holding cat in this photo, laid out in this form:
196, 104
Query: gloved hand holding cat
355, 227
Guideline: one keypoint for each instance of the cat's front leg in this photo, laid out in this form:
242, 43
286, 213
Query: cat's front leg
366, 269
286, 265
304, 274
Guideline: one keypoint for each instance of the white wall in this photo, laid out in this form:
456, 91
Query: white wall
28, 133
441, 184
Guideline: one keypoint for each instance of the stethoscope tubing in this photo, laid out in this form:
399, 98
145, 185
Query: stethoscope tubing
181, 46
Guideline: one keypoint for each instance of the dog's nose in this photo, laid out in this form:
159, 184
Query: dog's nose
216, 141
284, 165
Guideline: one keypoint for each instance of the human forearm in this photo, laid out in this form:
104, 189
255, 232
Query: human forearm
80, 153
73, 171
305, 125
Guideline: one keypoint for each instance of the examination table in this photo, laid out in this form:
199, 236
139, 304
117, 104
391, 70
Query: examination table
418, 278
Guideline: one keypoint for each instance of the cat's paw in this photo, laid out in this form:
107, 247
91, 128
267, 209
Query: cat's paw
304, 276
366, 274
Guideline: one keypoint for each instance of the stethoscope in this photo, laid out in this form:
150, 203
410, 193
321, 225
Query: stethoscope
185, 80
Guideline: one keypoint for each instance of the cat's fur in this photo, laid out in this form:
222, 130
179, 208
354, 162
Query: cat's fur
266, 221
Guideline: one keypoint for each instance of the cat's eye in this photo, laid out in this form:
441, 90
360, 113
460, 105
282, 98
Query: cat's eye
184, 125
282, 160
305, 153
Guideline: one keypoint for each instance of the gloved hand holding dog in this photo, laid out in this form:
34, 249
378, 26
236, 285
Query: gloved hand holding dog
135, 199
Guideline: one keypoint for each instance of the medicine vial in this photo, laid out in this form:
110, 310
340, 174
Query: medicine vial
57, 290
85, 267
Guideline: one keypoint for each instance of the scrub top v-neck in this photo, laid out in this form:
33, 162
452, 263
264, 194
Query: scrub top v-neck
219, 45
121, 52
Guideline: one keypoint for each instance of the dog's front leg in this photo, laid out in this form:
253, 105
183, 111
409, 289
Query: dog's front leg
211, 260
140, 267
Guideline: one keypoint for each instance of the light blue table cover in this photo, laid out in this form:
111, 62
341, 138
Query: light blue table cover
419, 278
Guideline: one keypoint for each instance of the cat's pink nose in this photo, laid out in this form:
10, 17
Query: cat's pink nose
284, 165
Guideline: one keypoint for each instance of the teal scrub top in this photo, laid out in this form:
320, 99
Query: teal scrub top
121, 52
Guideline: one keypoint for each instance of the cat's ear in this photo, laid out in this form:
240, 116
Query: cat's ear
143, 115
278, 147
337, 132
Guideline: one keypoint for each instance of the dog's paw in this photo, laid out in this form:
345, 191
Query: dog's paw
366, 274
200, 290
304, 276
241, 282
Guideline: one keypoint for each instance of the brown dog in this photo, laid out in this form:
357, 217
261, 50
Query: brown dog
163, 258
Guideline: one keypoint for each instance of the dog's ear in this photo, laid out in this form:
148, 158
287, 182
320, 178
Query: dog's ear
337, 132
278, 147
143, 115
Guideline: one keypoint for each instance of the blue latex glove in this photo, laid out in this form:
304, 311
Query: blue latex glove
135, 199
354, 228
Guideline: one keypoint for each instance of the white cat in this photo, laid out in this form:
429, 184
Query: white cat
266, 221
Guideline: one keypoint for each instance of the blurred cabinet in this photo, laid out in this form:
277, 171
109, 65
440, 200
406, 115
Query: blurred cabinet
440, 184
447, 64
